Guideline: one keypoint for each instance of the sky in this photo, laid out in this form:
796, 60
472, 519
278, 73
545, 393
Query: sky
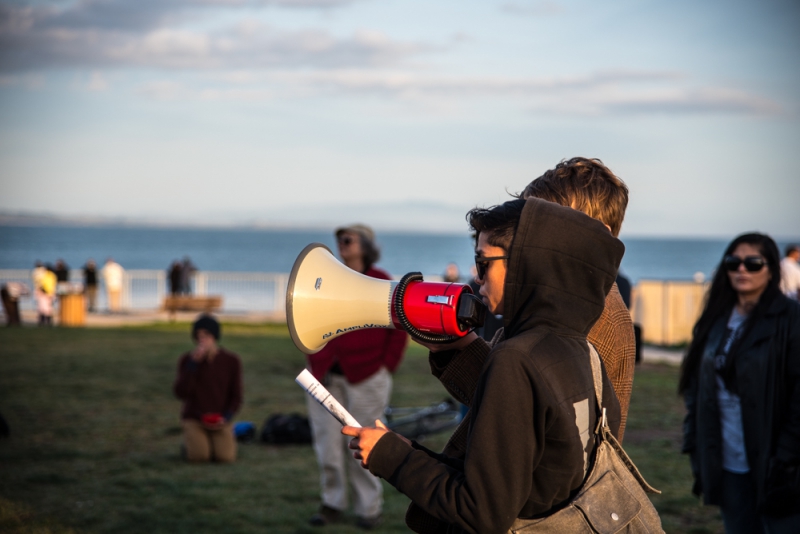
399, 114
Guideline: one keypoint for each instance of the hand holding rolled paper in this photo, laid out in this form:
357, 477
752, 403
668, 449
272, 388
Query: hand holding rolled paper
324, 397
364, 440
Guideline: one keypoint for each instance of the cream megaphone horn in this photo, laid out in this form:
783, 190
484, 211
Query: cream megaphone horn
326, 299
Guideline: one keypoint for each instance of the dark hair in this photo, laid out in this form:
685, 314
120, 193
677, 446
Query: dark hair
586, 185
370, 251
792, 248
721, 298
209, 324
499, 223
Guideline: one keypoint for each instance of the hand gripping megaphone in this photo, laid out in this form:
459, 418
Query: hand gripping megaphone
326, 299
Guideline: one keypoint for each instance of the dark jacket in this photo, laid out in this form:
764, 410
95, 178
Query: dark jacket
525, 453
771, 425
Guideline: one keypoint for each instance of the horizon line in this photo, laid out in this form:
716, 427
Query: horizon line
34, 220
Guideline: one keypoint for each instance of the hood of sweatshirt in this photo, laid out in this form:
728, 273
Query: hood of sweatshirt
562, 265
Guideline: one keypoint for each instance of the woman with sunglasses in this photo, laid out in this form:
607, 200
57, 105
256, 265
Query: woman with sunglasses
741, 383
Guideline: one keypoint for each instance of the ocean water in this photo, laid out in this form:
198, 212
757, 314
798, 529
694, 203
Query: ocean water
275, 250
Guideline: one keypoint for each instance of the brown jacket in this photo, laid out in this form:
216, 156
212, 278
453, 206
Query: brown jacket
612, 335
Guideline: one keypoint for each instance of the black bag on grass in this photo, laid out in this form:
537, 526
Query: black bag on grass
284, 429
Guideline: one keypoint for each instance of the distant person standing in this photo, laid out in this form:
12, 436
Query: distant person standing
61, 271
451, 273
44, 293
90, 284
357, 369
11, 292
113, 275
209, 383
187, 272
790, 272
37, 273
175, 274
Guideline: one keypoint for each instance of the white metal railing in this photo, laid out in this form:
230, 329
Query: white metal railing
145, 289
666, 309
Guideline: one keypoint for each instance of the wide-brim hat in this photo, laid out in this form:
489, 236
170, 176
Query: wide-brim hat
361, 229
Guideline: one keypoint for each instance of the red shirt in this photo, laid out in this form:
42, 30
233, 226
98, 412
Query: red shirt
362, 353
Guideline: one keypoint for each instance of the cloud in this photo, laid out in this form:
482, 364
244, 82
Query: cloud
140, 14
250, 61
101, 35
411, 84
602, 93
691, 101
597, 94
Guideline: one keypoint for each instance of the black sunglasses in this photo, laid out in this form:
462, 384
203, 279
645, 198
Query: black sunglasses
481, 263
345, 240
751, 263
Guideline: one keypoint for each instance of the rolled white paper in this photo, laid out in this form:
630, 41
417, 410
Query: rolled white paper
324, 397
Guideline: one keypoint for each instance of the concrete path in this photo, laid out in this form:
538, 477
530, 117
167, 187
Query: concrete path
650, 354
662, 355
141, 317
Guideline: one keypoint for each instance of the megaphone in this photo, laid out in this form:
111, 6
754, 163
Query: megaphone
326, 299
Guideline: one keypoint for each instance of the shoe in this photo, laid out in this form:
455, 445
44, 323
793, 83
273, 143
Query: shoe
369, 523
325, 516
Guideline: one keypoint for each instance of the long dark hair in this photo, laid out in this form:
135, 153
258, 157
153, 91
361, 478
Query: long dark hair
371, 252
721, 298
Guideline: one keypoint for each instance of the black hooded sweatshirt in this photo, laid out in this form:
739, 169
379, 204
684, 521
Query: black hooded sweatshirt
534, 410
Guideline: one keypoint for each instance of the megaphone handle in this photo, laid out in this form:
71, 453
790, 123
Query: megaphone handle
414, 332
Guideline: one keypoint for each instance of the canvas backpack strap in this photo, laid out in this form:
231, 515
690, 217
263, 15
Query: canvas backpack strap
597, 376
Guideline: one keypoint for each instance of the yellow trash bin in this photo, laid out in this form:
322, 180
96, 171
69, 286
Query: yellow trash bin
72, 310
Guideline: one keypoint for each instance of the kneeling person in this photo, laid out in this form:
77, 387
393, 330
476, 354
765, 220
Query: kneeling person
210, 385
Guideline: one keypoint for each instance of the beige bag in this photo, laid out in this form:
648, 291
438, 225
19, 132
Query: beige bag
612, 498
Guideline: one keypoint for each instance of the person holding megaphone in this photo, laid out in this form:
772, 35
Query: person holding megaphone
547, 269
357, 369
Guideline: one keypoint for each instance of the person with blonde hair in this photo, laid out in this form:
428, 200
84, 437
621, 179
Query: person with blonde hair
44, 292
586, 185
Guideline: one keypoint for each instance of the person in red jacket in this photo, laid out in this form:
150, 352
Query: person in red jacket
357, 369
209, 383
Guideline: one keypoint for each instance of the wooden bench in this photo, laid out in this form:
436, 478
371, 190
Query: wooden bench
175, 303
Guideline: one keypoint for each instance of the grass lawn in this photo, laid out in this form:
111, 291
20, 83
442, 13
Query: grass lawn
95, 437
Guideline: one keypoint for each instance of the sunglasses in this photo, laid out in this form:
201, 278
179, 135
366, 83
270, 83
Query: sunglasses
752, 263
346, 240
482, 263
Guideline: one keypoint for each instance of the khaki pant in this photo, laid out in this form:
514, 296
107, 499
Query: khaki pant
113, 299
203, 445
365, 401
